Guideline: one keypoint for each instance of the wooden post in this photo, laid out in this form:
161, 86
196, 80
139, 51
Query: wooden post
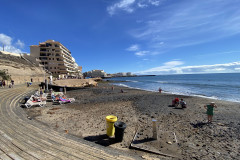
65, 90
154, 129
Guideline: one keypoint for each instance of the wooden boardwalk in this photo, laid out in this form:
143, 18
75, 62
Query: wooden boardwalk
22, 138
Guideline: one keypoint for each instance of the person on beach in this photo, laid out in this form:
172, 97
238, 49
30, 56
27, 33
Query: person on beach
12, 82
183, 103
175, 102
3, 83
41, 93
160, 90
209, 109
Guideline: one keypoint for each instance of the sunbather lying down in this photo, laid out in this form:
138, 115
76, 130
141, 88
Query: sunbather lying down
66, 100
38, 99
62, 99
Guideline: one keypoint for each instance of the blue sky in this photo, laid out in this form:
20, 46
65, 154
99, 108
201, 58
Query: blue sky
140, 36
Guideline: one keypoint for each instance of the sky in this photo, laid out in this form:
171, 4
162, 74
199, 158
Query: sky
138, 36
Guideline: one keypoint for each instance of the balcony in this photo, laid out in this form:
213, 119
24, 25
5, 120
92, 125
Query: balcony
43, 54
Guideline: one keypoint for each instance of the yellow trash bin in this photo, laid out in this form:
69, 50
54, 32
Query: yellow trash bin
110, 125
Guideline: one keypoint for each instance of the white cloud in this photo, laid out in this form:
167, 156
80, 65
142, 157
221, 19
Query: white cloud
130, 5
20, 43
9, 46
154, 2
199, 22
133, 47
141, 53
121, 5
173, 63
172, 68
5, 40
141, 5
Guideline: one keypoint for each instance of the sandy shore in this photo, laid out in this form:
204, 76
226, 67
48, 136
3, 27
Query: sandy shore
196, 139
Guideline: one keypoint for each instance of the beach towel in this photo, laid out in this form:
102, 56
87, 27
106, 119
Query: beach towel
64, 100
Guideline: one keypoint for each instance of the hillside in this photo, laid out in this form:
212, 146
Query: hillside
20, 69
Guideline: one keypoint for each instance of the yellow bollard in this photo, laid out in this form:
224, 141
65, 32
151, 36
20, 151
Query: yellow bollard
110, 125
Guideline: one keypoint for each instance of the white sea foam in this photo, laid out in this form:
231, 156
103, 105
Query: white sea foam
123, 85
131, 81
162, 82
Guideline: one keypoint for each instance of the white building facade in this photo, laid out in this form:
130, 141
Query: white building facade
56, 58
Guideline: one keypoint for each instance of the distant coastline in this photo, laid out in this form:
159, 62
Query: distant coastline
129, 76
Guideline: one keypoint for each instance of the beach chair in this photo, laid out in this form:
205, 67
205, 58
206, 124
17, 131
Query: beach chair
31, 103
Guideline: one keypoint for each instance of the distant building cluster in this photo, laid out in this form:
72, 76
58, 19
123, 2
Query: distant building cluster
95, 73
122, 74
101, 73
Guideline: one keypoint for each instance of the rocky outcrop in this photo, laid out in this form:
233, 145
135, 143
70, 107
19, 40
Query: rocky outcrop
20, 69
76, 82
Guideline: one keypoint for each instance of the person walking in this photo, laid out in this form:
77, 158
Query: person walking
3, 83
209, 109
12, 82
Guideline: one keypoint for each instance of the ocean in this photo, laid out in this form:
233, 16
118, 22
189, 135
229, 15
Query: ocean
221, 86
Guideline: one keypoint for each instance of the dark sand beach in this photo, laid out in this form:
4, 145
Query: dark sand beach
85, 118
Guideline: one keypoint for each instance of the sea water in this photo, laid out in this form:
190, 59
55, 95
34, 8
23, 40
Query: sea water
222, 86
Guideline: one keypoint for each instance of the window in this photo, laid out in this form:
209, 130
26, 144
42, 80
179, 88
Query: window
43, 58
49, 58
56, 45
42, 54
48, 44
53, 49
50, 67
43, 49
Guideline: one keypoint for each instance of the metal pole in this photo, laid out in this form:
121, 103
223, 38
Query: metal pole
47, 84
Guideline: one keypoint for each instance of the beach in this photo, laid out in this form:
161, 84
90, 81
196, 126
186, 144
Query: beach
85, 118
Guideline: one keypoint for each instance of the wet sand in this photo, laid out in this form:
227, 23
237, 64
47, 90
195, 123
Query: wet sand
197, 139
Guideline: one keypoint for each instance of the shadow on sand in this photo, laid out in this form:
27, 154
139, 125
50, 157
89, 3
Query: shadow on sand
103, 140
143, 140
198, 124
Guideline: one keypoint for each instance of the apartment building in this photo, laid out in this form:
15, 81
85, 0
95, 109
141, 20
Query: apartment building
56, 58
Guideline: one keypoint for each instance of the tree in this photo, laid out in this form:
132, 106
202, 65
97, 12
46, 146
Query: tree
4, 75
